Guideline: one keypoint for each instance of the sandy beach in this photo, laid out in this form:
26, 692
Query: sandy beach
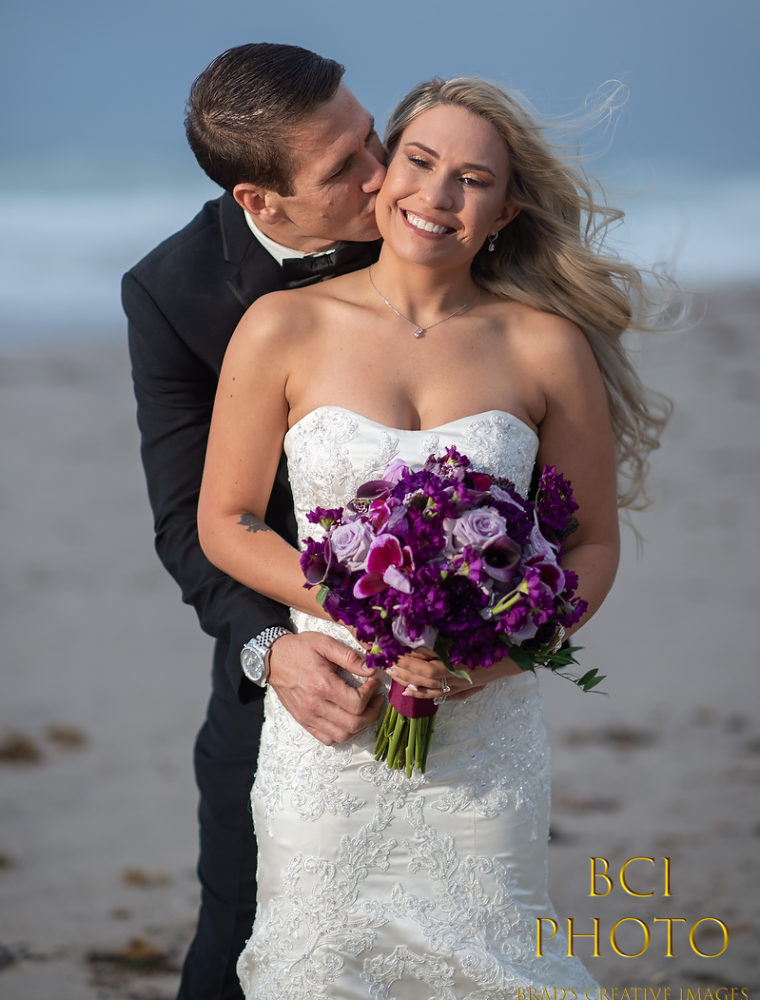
105, 676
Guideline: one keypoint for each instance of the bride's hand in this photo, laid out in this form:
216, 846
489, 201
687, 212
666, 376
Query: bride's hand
423, 674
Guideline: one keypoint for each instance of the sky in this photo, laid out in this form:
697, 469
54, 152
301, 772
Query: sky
95, 169
92, 80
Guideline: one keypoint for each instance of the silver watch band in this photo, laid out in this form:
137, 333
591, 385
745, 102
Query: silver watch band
267, 637
254, 652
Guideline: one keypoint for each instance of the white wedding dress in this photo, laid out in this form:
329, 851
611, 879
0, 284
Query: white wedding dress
372, 885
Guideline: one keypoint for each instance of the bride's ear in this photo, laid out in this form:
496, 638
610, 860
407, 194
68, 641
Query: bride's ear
507, 215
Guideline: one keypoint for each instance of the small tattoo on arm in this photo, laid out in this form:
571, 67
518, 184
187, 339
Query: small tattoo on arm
251, 523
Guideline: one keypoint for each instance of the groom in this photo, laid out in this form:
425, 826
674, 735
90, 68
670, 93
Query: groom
300, 164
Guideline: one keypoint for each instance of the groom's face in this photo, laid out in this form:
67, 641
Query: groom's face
339, 167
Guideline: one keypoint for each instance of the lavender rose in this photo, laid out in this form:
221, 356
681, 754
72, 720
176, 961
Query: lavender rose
351, 542
478, 527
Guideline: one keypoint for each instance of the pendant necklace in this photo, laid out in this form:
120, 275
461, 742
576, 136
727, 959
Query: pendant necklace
420, 330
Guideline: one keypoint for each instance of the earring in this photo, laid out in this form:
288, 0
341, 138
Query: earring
492, 237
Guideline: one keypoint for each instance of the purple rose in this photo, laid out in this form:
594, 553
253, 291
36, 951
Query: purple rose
395, 471
351, 542
478, 527
424, 635
504, 497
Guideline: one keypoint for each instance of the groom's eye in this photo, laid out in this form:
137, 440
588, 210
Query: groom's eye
340, 171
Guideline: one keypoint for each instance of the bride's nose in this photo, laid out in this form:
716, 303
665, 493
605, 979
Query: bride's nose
436, 191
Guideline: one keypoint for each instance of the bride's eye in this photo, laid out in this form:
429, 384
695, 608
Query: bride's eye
418, 161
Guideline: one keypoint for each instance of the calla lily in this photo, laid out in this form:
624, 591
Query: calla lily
500, 557
374, 489
315, 563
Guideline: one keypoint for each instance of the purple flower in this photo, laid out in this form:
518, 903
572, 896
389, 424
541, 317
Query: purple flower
477, 527
351, 542
446, 554
315, 561
326, 516
412, 637
500, 558
542, 556
555, 504
394, 471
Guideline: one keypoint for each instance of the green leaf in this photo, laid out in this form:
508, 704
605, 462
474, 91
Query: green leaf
441, 649
462, 673
523, 660
322, 593
590, 679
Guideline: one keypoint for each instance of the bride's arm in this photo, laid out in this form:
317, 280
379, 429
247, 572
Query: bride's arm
245, 443
575, 436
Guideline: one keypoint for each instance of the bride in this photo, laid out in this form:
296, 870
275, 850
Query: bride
492, 323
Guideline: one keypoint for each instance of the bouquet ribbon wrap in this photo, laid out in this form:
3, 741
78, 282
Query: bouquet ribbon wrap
412, 708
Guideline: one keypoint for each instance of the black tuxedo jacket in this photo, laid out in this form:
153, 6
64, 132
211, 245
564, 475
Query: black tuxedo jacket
183, 302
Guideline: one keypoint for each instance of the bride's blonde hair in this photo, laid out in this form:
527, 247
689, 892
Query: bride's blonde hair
551, 256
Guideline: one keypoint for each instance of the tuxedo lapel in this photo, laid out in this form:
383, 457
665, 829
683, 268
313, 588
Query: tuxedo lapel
254, 271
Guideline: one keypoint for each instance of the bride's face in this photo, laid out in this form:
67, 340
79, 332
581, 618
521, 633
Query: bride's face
445, 189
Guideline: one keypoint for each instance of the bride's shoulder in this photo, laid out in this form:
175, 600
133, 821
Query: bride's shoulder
545, 335
278, 320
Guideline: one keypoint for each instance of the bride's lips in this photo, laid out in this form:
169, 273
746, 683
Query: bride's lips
424, 226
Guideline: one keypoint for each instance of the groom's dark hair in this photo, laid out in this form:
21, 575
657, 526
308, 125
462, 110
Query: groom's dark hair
244, 106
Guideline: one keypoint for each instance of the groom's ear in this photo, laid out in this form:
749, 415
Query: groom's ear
257, 201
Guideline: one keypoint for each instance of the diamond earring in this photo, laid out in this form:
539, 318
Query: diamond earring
492, 237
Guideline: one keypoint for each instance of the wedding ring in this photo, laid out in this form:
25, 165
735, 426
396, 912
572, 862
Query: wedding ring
445, 689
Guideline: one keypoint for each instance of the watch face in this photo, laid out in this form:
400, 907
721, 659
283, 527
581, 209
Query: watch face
252, 663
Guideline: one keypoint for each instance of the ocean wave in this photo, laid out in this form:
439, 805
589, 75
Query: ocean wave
62, 254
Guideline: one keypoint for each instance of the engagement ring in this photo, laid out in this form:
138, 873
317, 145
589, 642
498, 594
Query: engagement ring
445, 688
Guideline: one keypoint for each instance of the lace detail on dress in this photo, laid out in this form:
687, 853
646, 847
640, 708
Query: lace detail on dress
509, 761
332, 450
316, 917
287, 748
375, 885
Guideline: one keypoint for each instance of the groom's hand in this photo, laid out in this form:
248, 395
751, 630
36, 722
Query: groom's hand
303, 670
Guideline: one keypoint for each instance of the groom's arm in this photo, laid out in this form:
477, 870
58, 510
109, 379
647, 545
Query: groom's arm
175, 392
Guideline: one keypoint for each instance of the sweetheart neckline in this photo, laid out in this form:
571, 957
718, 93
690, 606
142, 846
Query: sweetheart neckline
405, 430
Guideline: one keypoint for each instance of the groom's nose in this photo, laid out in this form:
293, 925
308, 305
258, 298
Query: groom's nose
376, 158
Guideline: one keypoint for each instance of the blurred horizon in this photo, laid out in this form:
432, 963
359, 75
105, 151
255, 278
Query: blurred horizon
96, 170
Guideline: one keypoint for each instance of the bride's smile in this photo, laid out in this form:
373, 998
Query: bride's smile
426, 225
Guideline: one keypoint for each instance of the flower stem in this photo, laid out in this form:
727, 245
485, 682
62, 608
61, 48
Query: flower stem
404, 743
395, 740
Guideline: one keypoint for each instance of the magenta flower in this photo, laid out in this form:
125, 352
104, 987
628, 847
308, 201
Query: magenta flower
386, 561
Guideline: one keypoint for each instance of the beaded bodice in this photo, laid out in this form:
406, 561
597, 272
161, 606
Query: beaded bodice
332, 450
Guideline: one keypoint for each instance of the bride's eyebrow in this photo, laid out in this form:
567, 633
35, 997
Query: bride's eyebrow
464, 166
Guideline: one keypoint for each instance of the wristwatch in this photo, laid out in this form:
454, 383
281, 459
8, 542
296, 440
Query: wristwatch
253, 656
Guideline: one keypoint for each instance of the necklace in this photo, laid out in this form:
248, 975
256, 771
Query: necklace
419, 330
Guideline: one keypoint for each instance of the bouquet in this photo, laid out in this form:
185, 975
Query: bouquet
455, 560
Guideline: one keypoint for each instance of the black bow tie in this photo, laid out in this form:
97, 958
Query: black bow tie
342, 259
